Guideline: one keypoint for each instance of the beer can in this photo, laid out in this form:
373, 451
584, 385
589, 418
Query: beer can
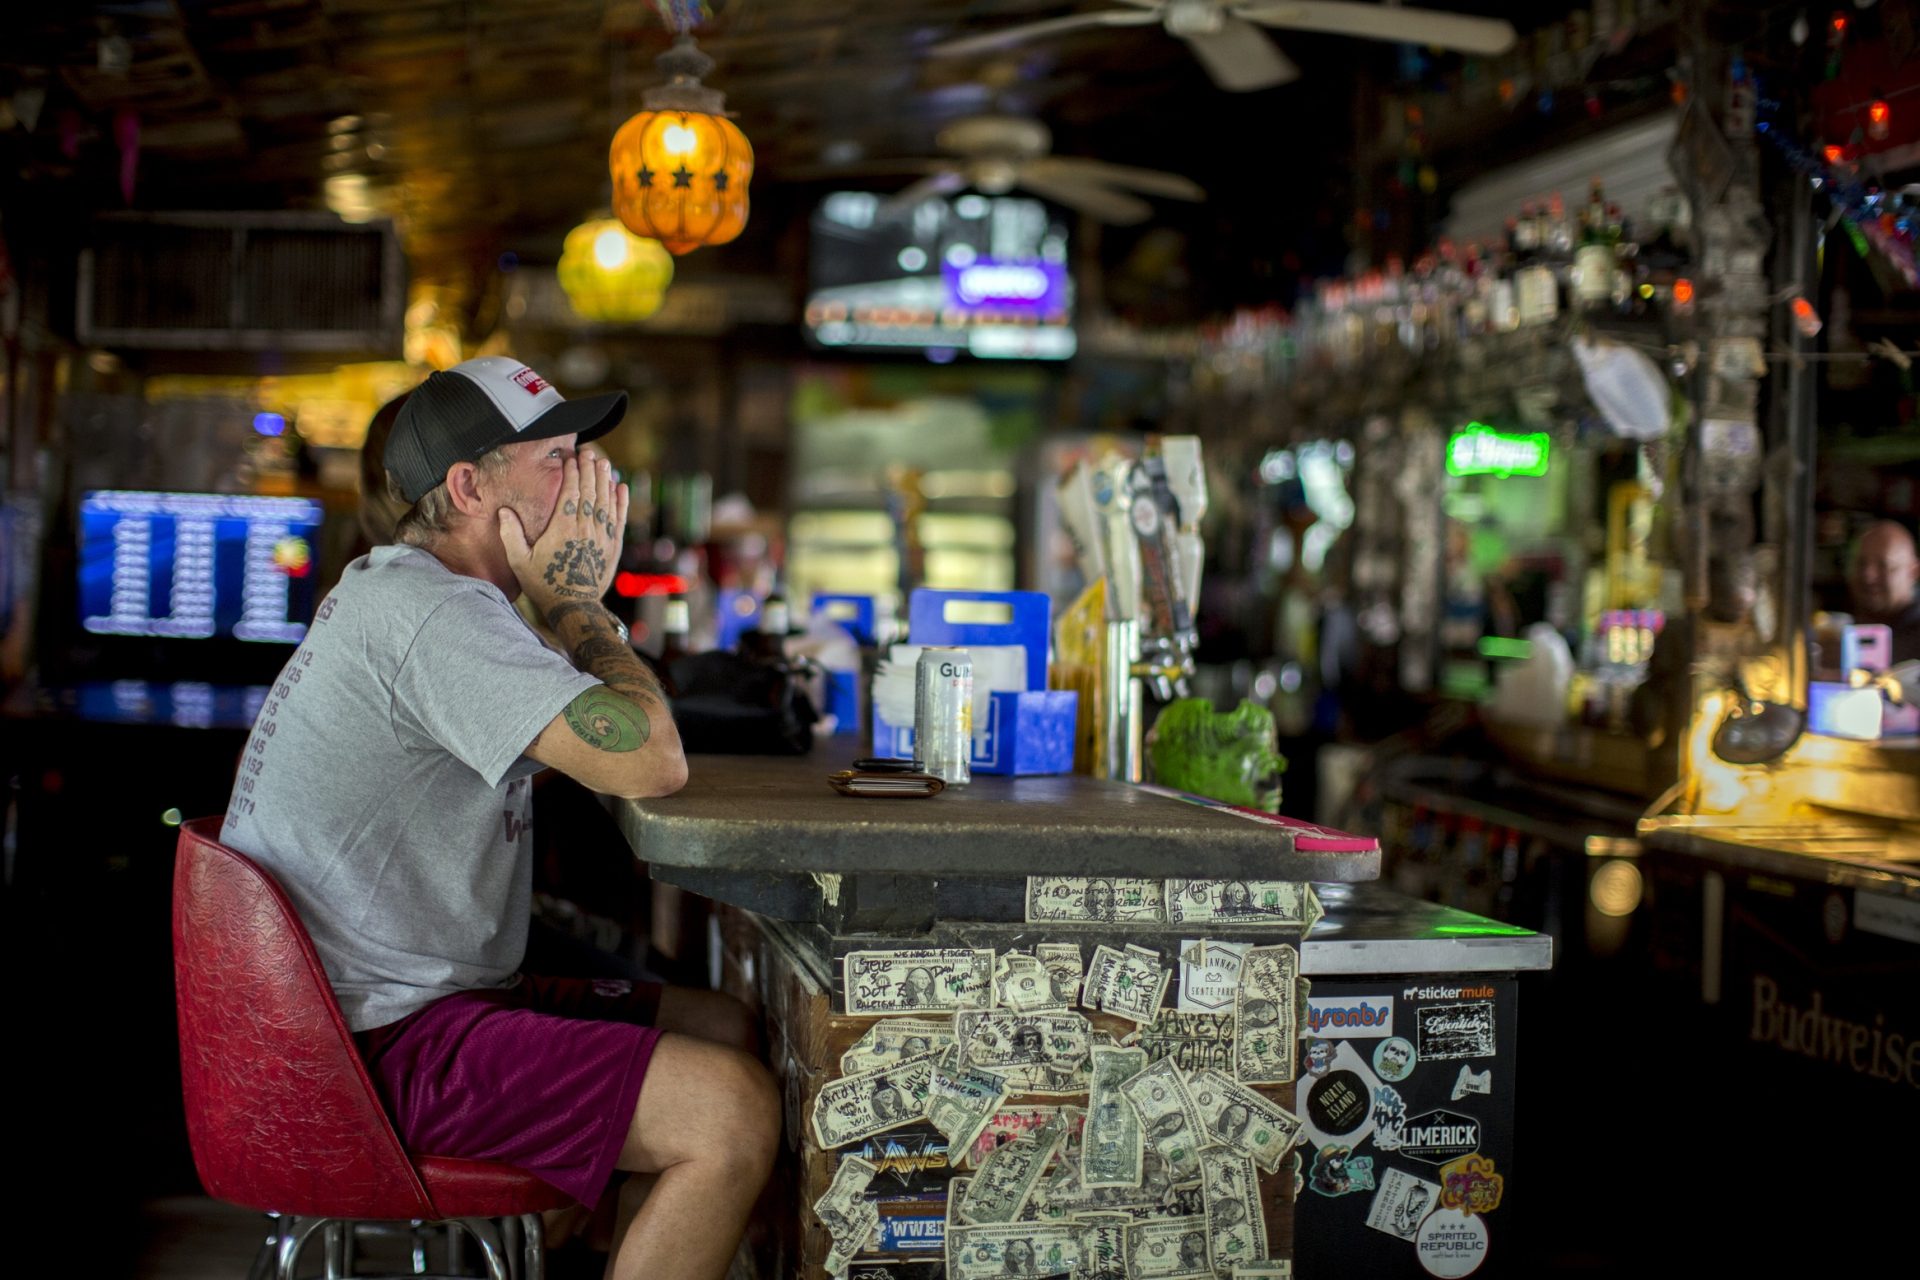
943, 713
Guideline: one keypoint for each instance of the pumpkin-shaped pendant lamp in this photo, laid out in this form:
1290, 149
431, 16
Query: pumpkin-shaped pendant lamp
611, 275
680, 167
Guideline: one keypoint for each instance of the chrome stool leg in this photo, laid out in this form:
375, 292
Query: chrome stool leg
488, 1236
293, 1242
334, 1242
263, 1261
420, 1232
535, 1259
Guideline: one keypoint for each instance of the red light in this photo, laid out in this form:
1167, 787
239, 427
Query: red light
630, 585
1839, 24
1683, 292
1833, 153
1879, 117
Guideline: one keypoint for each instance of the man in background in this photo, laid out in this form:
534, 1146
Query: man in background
1882, 575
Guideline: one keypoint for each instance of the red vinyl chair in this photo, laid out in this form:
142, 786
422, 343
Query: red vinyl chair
281, 1113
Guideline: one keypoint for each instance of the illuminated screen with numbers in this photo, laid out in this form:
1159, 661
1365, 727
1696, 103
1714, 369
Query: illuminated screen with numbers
197, 566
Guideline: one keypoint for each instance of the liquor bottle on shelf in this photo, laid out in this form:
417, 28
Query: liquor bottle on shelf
1594, 267
675, 626
775, 619
1559, 230
1526, 234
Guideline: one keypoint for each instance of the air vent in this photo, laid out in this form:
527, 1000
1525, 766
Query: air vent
294, 282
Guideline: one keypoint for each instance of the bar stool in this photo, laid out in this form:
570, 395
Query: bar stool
281, 1114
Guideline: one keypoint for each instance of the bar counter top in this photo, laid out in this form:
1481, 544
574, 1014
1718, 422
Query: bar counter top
1842, 853
772, 815
1370, 929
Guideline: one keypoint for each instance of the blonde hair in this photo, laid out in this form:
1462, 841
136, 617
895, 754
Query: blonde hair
432, 517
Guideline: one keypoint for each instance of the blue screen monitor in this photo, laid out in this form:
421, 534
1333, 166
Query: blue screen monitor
197, 566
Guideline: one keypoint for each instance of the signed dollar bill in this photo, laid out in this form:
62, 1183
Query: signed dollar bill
1266, 1018
844, 1247
956, 1191
1270, 904
1000, 1188
1168, 1249
893, 1039
1037, 1052
1112, 1144
1062, 963
1021, 1249
1153, 1198
1271, 1269
931, 980
869, 1102
1169, 1121
962, 1098
1195, 1041
1102, 1241
838, 1208
1241, 1119
1128, 983
1021, 983
1009, 1123
1236, 1229
1096, 900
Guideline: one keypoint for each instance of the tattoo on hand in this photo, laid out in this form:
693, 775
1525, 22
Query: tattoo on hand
566, 508
608, 722
579, 564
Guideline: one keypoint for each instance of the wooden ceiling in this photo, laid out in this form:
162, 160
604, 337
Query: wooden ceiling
482, 125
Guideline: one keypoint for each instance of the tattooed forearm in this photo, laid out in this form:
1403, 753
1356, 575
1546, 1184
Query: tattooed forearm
608, 721
587, 631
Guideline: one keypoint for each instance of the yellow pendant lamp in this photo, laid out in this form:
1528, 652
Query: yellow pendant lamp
611, 275
680, 167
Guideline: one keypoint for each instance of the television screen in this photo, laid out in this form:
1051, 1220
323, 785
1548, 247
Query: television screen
979, 275
196, 566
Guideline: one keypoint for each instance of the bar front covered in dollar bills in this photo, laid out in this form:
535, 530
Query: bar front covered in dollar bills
1082, 1029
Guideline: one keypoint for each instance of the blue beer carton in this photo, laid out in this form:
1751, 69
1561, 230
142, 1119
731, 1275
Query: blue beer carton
1030, 731
855, 614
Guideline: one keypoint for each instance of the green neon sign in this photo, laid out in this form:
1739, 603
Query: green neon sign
1478, 450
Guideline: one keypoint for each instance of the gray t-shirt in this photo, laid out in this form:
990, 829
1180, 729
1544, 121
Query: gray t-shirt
384, 787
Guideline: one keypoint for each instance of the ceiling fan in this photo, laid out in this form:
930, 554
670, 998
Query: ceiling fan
996, 153
1223, 33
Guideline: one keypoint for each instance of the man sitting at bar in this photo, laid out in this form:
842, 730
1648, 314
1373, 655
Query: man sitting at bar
1882, 575
387, 784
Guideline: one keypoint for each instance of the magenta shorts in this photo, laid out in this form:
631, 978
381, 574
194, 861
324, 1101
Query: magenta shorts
543, 1075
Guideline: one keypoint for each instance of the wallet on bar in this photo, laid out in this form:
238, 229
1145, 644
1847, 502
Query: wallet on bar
889, 783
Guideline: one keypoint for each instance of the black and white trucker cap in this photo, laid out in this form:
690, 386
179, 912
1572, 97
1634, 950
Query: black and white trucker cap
460, 413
